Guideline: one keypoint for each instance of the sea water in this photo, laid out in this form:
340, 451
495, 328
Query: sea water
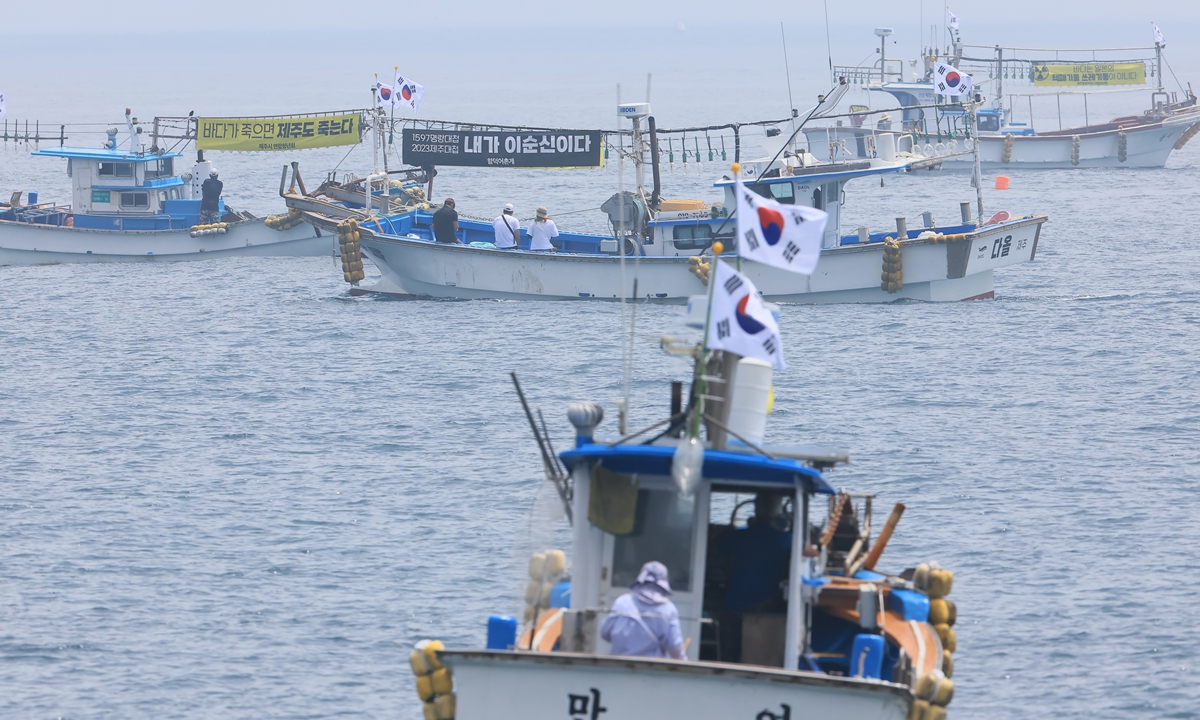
229, 489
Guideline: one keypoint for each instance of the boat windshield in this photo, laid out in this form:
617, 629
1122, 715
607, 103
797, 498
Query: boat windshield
662, 531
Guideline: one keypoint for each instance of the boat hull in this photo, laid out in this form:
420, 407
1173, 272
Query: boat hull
1146, 146
960, 269
500, 685
32, 244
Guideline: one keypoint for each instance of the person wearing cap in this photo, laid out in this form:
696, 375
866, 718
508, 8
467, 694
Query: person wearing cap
210, 204
645, 622
542, 229
445, 224
508, 229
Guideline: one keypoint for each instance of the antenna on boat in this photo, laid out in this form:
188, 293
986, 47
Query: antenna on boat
788, 71
828, 43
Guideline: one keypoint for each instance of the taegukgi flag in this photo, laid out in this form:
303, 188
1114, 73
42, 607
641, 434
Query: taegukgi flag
951, 19
1158, 37
408, 92
385, 95
783, 236
740, 321
949, 80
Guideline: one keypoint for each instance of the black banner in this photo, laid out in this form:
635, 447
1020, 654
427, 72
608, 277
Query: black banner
529, 149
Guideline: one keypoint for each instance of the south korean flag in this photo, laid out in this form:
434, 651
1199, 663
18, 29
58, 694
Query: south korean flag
783, 236
408, 92
740, 322
948, 80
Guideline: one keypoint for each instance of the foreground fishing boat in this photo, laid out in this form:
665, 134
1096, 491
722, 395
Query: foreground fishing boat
830, 635
131, 206
934, 130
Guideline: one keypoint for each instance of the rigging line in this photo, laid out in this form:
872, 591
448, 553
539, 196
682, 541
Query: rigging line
1173, 74
828, 43
352, 148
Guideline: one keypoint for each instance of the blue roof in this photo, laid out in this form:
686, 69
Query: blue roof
102, 154
718, 465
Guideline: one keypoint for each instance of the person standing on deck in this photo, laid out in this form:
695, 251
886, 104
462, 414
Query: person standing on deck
759, 556
445, 224
508, 229
210, 204
542, 230
644, 622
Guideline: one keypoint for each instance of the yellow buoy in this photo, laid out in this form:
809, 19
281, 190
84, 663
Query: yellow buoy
952, 612
935, 713
556, 562
947, 663
431, 658
416, 658
445, 707
430, 711
425, 687
442, 682
947, 636
939, 613
945, 693
941, 582
917, 710
926, 686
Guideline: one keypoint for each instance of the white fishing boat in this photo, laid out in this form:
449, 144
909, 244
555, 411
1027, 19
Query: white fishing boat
830, 636
658, 247
129, 204
936, 127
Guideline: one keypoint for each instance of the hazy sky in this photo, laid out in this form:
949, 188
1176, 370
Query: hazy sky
88, 16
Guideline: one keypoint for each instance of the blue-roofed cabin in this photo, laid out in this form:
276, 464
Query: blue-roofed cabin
114, 189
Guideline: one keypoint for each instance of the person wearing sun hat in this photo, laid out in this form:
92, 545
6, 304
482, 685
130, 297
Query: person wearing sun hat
645, 622
507, 228
542, 230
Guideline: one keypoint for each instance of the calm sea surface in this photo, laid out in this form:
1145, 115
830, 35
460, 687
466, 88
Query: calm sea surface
228, 489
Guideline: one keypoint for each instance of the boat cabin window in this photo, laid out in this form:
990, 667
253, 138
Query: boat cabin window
662, 531
135, 200
115, 169
163, 167
783, 192
692, 237
989, 123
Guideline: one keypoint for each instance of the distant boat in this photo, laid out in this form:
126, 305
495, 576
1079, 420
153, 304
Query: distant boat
1143, 140
941, 261
133, 206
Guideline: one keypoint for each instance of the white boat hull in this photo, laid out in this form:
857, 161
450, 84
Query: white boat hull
31, 244
956, 270
1147, 146
501, 685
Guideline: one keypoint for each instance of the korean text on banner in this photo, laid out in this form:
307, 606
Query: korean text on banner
783, 236
1088, 74
949, 80
740, 321
278, 133
480, 148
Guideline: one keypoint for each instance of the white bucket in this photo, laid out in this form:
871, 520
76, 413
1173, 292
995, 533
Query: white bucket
748, 400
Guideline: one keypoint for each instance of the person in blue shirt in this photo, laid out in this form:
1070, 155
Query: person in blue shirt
645, 622
759, 556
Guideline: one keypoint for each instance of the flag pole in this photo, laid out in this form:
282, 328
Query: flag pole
392, 124
717, 248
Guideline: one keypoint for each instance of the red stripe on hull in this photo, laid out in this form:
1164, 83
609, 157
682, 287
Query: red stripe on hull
989, 295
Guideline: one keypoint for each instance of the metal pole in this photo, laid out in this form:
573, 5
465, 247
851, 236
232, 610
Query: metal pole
795, 607
1058, 99
978, 172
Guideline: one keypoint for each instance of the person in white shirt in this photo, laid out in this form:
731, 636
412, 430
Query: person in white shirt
542, 230
508, 229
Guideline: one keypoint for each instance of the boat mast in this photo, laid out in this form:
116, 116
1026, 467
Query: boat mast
976, 172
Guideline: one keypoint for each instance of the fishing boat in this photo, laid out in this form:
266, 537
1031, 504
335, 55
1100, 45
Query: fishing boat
838, 637
936, 127
659, 248
130, 204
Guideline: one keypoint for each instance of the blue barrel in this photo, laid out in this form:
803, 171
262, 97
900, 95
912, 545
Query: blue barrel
502, 632
866, 656
560, 595
32, 197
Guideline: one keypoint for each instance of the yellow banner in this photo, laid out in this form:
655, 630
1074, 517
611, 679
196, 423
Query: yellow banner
1063, 75
277, 133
